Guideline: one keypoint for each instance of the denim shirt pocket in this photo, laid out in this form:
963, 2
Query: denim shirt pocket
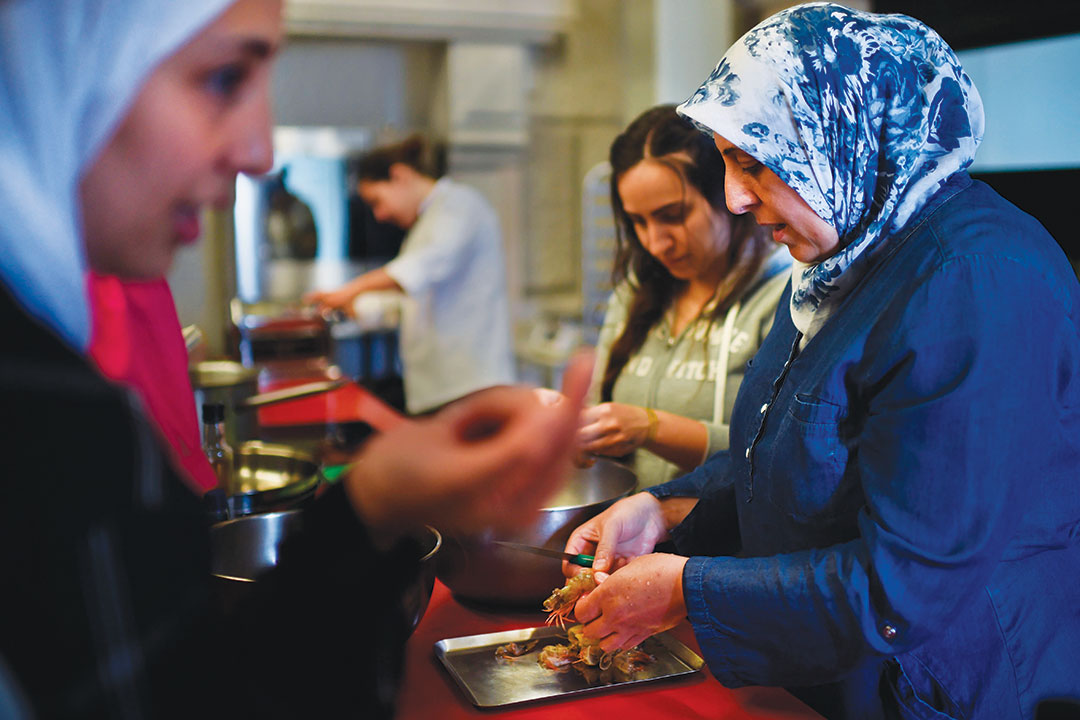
806, 474
916, 695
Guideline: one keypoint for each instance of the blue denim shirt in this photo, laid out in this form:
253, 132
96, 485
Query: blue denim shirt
894, 532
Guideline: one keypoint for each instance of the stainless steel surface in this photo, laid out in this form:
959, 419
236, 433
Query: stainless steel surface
274, 331
244, 548
489, 682
476, 569
548, 553
270, 477
236, 387
228, 383
418, 594
194, 342
291, 393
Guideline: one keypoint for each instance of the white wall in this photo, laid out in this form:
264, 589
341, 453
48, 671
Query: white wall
691, 37
1031, 95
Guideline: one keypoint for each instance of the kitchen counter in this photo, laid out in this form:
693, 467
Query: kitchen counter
428, 691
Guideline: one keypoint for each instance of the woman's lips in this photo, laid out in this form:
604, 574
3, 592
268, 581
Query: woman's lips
778, 232
186, 225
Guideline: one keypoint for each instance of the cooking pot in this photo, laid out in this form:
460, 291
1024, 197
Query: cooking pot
270, 477
476, 569
273, 331
237, 388
244, 548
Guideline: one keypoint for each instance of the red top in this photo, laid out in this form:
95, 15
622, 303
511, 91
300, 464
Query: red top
136, 340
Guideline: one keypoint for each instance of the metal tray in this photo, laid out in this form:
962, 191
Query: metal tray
490, 682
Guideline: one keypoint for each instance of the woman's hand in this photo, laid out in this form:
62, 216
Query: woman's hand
487, 461
636, 602
613, 429
627, 529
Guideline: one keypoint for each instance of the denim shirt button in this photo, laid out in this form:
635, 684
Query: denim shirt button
764, 408
888, 632
747, 453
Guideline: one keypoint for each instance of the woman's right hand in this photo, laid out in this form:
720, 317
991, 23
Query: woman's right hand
613, 429
626, 530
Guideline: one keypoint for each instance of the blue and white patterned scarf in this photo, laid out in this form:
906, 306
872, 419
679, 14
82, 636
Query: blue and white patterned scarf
865, 116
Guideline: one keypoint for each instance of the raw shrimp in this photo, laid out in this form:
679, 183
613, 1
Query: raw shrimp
560, 605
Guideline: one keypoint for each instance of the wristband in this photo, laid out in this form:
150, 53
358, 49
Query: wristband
654, 423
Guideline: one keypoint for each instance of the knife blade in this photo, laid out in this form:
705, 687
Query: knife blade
580, 559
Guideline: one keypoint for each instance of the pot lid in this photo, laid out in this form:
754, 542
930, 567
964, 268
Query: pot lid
220, 373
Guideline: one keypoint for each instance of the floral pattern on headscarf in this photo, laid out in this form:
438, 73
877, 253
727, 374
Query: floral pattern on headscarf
864, 115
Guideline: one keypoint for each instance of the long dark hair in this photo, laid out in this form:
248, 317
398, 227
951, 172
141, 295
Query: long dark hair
427, 158
662, 135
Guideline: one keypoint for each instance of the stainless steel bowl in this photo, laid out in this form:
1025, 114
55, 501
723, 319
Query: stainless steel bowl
418, 593
476, 569
270, 477
244, 548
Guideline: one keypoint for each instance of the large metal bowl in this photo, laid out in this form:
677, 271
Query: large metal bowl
477, 570
244, 548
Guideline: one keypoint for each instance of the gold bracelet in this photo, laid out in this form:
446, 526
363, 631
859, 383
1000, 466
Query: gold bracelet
654, 423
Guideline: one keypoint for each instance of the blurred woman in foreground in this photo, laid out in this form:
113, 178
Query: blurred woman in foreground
119, 123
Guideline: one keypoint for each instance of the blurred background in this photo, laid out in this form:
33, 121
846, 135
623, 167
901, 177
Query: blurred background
527, 95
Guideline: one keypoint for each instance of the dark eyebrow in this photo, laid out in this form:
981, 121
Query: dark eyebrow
673, 205
252, 48
258, 48
733, 151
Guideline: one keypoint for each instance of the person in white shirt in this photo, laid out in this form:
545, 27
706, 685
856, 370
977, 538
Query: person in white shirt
455, 321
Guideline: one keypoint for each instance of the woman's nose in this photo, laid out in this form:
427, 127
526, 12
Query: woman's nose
252, 147
739, 197
656, 240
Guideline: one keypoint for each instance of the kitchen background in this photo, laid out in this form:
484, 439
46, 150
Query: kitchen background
528, 95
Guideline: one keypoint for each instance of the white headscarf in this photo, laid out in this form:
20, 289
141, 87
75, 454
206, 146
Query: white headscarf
69, 70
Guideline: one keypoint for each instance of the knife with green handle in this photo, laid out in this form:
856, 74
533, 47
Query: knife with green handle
579, 559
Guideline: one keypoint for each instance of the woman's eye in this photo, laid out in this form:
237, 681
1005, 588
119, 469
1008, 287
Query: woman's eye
226, 80
752, 168
672, 216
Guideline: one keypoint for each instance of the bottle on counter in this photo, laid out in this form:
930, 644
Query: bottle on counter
216, 448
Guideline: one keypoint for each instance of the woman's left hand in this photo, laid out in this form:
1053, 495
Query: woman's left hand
613, 429
641, 599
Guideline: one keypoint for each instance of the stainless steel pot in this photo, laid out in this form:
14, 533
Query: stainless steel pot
476, 569
244, 548
270, 477
272, 331
237, 388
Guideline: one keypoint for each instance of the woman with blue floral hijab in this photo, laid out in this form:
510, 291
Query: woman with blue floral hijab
894, 533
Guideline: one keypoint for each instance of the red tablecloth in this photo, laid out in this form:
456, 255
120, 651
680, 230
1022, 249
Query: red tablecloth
429, 692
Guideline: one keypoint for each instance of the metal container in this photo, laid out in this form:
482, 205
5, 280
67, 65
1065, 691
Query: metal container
490, 682
418, 593
270, 477
244, 548
476, 569
273, 331
236, 386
